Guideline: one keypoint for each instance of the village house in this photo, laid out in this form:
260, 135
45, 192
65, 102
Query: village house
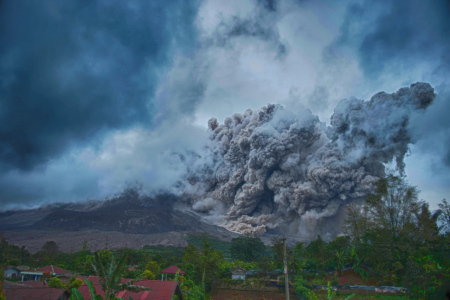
16, 291
36, 274
160, 290
11, 272
238, 273
171, 270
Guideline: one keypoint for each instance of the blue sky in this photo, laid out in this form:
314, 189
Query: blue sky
97, 97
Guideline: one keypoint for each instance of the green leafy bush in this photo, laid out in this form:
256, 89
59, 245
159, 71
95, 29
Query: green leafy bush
56, 283
300, 287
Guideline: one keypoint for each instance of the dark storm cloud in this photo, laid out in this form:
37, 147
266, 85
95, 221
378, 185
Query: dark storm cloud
71, 70
318, 99
398, 34
410, 40
261, 25
434, 129
270, 5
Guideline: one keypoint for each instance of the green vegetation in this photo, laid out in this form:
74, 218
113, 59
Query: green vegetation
216, 244
300, 287
2, 282
247, 248
330, 294
390, 239
56, 283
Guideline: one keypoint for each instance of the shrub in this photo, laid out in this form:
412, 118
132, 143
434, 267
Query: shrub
56, 283
148, 275
300, 287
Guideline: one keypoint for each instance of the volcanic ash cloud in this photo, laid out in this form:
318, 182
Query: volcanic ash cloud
282, 170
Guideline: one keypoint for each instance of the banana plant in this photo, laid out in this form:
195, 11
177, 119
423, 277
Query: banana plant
76, 294
357, 262
340, 257
109, 280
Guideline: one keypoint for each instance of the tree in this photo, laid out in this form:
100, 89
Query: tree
340, 243
82, 256
393, 224
444, 217
426, 224
153, 267
105, 257
84, 246
266, 264
74, 282
190, 254
191, 291
278, 252
50, 248
393, 205
300, 287
318, 251
56, 283
202, 267
2, 282
357, 222
300, 250
247, 248
49, 252
110, 277
209, 262
148, 275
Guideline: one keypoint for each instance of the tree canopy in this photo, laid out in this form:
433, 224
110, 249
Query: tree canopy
247, 248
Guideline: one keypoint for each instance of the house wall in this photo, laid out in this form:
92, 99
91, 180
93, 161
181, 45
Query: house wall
238, 272
238, 277
29, 277
12, 273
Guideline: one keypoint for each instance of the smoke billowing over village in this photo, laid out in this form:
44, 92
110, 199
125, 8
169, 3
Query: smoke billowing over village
277, 168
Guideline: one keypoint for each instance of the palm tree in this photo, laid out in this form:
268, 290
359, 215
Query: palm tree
109, 280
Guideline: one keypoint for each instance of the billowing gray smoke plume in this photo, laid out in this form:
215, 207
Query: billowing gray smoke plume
281, 170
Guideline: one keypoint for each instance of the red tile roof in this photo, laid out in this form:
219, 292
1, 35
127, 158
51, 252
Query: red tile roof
172, 270
160, 290
34, 293
34, 283
10, 284
132, 269
51, 269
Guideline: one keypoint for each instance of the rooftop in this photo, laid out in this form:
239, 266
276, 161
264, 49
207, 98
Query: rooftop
160, 290
50, 269
15, 293
172, 270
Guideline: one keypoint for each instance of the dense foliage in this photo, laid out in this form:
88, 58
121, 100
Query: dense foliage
247, 248
2, 281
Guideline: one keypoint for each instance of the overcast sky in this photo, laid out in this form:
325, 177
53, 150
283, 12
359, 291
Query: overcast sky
98, 96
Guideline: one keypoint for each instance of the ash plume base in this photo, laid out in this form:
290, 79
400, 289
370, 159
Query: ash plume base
276, 170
